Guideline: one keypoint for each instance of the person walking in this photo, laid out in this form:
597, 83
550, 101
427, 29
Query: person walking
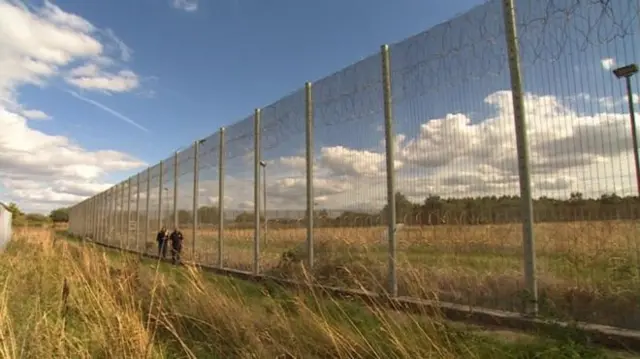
176, 245
161, 238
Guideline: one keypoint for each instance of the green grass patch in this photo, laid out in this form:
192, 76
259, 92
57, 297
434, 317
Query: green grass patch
213, 316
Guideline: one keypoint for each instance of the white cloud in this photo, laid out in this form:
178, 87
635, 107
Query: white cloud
608, 63
35, 115
609, 103
453, 156
91, 77
450, 156
40, 171
63, 19
186, 5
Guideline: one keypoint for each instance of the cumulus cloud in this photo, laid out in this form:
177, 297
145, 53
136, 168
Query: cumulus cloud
455, 156
41, 171
92, 77
449, 156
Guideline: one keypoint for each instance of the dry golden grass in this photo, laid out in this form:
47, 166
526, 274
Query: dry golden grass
122, 308
588, 271
63, 299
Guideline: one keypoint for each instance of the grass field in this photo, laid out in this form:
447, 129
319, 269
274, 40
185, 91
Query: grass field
587, 271
65, 299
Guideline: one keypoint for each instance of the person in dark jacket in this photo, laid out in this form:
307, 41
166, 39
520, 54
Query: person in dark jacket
161, 238
176, 245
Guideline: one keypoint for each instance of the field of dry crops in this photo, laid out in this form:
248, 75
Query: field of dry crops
65, 299
587, 271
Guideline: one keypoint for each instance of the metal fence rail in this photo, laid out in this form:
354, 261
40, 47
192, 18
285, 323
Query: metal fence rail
488, 161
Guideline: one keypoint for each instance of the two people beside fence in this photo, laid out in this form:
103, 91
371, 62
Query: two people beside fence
176, 239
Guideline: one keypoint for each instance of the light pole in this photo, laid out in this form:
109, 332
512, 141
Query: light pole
166, 191
263, 164
627, 72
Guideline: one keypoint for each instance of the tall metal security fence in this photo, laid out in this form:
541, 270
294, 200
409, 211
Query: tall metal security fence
487, 161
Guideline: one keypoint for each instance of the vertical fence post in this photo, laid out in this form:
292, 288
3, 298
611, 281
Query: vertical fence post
98, 227
114, 217
116, 237
100, 217
90, 208
634, 135
81, 219
87, 208
309, 163
96, 208
160, 191
175, 190
128, 224
112, 212
98, 198
85, 219
221, 158
91, 215
196, 194
513, 51
138, 212
147, 210
391, 173
122, 214
256, 190
92, 218
95, 217
116, 214
105, 215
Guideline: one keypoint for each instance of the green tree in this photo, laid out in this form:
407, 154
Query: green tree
404, 209
17, 216
208, 215
184, 217
36, 217
247, 217
15, 210
59, 215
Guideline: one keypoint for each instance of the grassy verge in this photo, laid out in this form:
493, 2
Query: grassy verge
62, 299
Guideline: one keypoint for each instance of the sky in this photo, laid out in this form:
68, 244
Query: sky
92, 94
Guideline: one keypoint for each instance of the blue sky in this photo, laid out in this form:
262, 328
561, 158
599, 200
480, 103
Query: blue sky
211, 67
128, 90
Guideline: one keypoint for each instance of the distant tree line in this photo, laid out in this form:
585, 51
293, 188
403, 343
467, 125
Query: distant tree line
435, 210
20, 218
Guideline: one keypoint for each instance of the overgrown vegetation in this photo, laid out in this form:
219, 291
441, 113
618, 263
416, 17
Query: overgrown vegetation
63, 299
21, 219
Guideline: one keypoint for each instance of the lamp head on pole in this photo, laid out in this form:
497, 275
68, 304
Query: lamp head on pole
626, 71
263, 164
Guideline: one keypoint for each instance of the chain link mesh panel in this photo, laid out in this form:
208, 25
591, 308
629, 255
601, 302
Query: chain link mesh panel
208, 205
459, 212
